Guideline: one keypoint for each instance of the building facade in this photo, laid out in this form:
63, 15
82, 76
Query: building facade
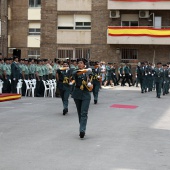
110, 30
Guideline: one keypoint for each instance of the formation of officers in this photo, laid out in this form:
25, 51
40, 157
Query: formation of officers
80, 77
148, 76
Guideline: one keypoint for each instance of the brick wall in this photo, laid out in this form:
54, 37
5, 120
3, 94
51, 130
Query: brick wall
4, 33
48, 28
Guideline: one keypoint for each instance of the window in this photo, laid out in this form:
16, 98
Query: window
65, 22
34, 31
129, 20
65, 54
74, 22
34, 53
128, 55
83, 25
34, 3
130, 23
82, 53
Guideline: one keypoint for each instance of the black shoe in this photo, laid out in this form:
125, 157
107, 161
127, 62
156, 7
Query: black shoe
163, 94
142, 91
95, 101
158, 97
82, 134
65, 111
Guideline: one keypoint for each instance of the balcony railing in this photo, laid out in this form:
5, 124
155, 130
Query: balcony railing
139, 4
138, 35
164, 31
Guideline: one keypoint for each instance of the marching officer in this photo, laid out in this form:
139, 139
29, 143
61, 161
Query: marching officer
96, 81
127, 74
109, 75
120, 74
165, 79
63, 77
158, 79
81, 93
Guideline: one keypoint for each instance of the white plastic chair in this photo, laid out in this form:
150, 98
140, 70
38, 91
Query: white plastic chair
46, 89
52, 88
33, 86
55, 84
28, 88
19, 86
1, 85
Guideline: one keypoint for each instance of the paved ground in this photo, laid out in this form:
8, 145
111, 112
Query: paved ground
34, 135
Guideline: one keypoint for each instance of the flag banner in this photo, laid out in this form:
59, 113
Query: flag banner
138, 31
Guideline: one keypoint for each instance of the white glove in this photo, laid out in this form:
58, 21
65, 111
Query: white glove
120, 75
136, 76
14, 79
129, 74
168, 75
146, 74
152, 74
149, 73
89, 84
98, 76
89, 69
114, 74
70, 83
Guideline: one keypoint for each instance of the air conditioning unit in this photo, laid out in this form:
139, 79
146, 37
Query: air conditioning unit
143, 14
114, 14
10, 50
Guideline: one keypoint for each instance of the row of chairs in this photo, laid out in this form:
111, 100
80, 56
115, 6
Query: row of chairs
49, 87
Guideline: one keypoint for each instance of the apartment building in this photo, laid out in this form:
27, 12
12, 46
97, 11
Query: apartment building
110, 30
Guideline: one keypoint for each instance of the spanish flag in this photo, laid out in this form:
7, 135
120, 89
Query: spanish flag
138, 31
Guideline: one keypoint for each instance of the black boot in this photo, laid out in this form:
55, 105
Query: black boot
65, 111
82, 134
95, 101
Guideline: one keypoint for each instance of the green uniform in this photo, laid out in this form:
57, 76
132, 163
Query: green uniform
64, 87
165, 81
1, 71
15, 75
82, 97
39, 84
25, 70
7, 70
32, 68
158, 81
108, 73
96, 73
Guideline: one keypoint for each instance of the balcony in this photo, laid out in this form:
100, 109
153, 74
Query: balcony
79, 5
73, 36
138, 35
138, 4
34, 14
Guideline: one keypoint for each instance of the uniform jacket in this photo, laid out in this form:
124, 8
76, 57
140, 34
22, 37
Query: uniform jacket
15, 70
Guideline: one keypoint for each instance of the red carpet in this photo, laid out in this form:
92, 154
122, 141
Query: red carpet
9, 96
123, 106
